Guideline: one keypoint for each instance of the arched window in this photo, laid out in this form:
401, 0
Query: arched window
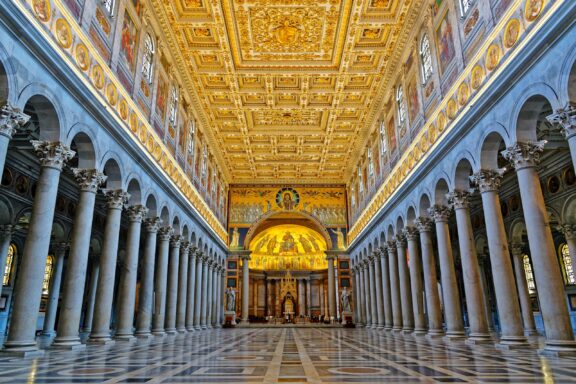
47, 274
353, 197
425, 58
191, 136
529, 274
401, 106
383, 143
109, 6
567, 264
465, 6
204, 163
148, 59
370, 164
173, 112
9, 265
360, 181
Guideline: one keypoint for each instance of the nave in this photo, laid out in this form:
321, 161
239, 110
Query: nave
290, 355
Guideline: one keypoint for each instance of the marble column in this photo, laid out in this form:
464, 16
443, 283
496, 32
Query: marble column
89, 316
73, 290
210, 294
394, 287
478, 322
269, 292
54, 289
379, 294
386, 294
367, 302
525, 157
215, 285
204, 309
301, 300
569, 232
191, 287
357, 317
566, 119
172, 285
372, 285
28, 290
245, 287
146, 297
450, 293
161, 280
219, 305
405, 291
198, 291
424, 226
127, 288
522, 286
182, 288
482, 257
5, 240
507, 302
308, 298
416, 287
115, 200
361, 293
11, 120
331, 287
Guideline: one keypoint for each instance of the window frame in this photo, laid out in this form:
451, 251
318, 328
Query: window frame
148, 58
9, 267
567, 267
401, 106
426, 66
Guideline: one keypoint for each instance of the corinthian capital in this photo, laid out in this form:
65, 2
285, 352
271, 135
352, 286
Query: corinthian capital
136, 213
176, 241
488, 180
6, 231
165, 233
440, 213
89, 179
400, 241
11, 119
52, 154
424, 224
516, 249
566, 119
411, 233
524, 155
459, 199
569, 231
391, 245
116, 198
152, 224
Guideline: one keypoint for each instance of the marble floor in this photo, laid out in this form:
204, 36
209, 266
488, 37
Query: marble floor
289, 355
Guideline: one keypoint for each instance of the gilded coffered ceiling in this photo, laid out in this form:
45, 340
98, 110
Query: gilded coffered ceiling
287, 90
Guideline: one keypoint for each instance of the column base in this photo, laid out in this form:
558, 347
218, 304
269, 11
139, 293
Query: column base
70, 344
171, 331
24, 354
396, 329
388, 328
509, 343
190, 328
204, 326
182, 330
407, 331
158, 333
420, 332
479, 338
22, 349
558, 348
435, 334
531, 332
197, 328
145, 336
105, 341
218, 326
125, 338
455, 335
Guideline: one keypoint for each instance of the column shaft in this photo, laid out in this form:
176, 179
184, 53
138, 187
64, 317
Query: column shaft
54, 290
405, 292
331, 288
210, 294
215, 296
204, 309
387, 295
394, 287
523, 294
172, 286
372, 280
191, 290
198, 291
416, 285
379, 294
245, 287
182, 289
366, 285
160, 281
89, 316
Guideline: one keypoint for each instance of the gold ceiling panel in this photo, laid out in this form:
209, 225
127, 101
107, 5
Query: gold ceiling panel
285, 88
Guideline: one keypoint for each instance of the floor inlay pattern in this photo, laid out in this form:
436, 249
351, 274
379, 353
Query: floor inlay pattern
290, 355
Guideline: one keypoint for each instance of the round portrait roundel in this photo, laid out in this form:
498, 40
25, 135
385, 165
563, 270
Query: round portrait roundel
287, 198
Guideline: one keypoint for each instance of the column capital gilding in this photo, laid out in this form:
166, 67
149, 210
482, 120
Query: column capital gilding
566, 118
116, 198
52, 154
524, 155
89, 179
11, 119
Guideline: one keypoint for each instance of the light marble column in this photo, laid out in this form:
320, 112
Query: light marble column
172, 286
482, 257
394, 287
115, 200
386, 294
146, 298
367, 302
301, 300
424, 226
89, 315
379, 294
372, 284
182, 288
269, 291
11, 120
358, 319
191, 295
522, 286
215, 284
6, 232
525, 157
198, 291
416, 287
478, 322
361, 293
507, 302
204, 309
68, 336
566, 119
308, 298
331, 287
245, 287
219, 303
54, 289
161, 280
127, 288
28, 290
210, 294
405, 291
450, 293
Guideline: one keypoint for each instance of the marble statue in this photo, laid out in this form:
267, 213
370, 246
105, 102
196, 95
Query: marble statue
345, 297
230, 300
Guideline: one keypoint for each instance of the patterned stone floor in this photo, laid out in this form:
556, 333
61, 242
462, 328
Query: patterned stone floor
289, 355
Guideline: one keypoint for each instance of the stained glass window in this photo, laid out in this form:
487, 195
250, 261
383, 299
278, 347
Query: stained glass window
567, 262
47, 274
148, 59
9, 264
173, 113
425, 58
401, 106
529, 274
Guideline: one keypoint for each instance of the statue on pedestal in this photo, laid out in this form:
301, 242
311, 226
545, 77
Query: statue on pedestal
345, 298
230, 300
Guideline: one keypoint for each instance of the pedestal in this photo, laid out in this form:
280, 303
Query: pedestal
229, 319
348, 319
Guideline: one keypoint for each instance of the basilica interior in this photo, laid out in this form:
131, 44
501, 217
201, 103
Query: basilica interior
266, 191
